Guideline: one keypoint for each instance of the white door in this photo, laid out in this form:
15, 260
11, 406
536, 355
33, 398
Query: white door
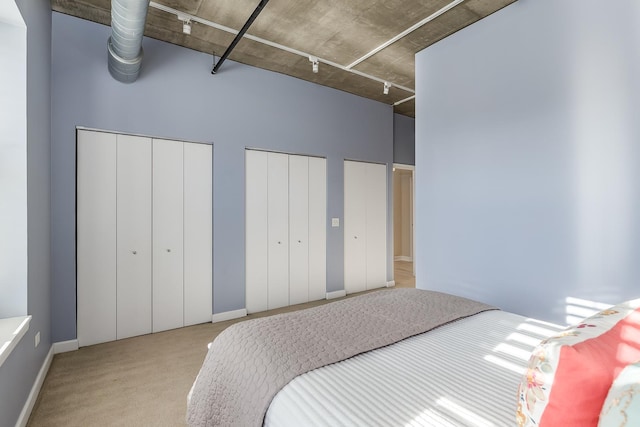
168, 297
278, 233
256, 229
376, 194
317, 228
298, 229
198, 235
133, 236
96, 237
355, 236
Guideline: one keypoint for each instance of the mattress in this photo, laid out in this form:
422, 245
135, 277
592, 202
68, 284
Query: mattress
462, 374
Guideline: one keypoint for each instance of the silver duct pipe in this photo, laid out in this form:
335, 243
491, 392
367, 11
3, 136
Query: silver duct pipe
125, 44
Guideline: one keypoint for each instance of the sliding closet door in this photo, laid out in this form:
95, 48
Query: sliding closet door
256, 231
278, 233
133, 236
168, 305
96, 237
198, 303
317, 228
298, 229
376, 225
355, 236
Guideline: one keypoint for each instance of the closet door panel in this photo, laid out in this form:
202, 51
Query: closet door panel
298, 229
256, 231
317, 228
198, 282
376, 194
355, 236
96, 237
168, 296
278, 233
134, 255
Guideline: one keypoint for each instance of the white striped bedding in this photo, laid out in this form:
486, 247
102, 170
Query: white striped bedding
462, 374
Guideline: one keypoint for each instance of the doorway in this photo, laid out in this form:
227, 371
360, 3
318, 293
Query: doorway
403, 229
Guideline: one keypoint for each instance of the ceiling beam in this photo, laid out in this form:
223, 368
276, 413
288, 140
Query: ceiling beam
405, 32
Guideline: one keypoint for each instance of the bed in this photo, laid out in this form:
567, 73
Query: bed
394, 357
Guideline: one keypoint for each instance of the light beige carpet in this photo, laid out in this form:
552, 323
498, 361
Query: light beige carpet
141, 381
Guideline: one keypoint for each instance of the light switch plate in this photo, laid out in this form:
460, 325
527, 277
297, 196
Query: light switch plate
335, 222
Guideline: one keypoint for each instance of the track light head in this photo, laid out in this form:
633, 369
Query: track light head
386, 88
186, 23
314, 64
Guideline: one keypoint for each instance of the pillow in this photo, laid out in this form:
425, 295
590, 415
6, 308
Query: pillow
569, 375
622, 406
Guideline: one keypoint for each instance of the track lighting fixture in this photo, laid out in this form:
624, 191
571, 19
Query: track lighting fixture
314, 64
186, 24
386, 88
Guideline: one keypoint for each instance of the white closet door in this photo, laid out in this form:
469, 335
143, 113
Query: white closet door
133, 236
278, 233
96, 237
256, 231
168, 295
376, 191
198, 282
317, 228
298, 229
355, 236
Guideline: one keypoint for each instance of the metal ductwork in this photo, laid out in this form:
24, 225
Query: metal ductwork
125, 44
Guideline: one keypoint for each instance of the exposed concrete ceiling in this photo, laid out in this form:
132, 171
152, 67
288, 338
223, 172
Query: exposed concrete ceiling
333, 30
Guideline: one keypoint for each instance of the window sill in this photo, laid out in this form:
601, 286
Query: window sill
11, 332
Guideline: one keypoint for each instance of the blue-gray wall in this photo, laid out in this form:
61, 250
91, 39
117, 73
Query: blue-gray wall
404, 140
19, 371
528, 152
177, 97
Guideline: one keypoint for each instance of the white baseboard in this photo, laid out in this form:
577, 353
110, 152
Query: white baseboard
35, 390
403, 258
336, 294
391, 283
228, 315
65, 346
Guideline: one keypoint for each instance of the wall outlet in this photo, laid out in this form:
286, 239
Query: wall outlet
38, 338
335, 222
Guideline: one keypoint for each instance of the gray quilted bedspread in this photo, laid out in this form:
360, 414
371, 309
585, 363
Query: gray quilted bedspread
251, 361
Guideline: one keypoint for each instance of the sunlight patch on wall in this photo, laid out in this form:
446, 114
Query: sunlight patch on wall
578, 309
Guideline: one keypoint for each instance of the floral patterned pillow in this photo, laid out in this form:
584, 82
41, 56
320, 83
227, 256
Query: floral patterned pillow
569, 375
622, 406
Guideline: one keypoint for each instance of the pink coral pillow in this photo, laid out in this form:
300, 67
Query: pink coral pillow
569, 375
